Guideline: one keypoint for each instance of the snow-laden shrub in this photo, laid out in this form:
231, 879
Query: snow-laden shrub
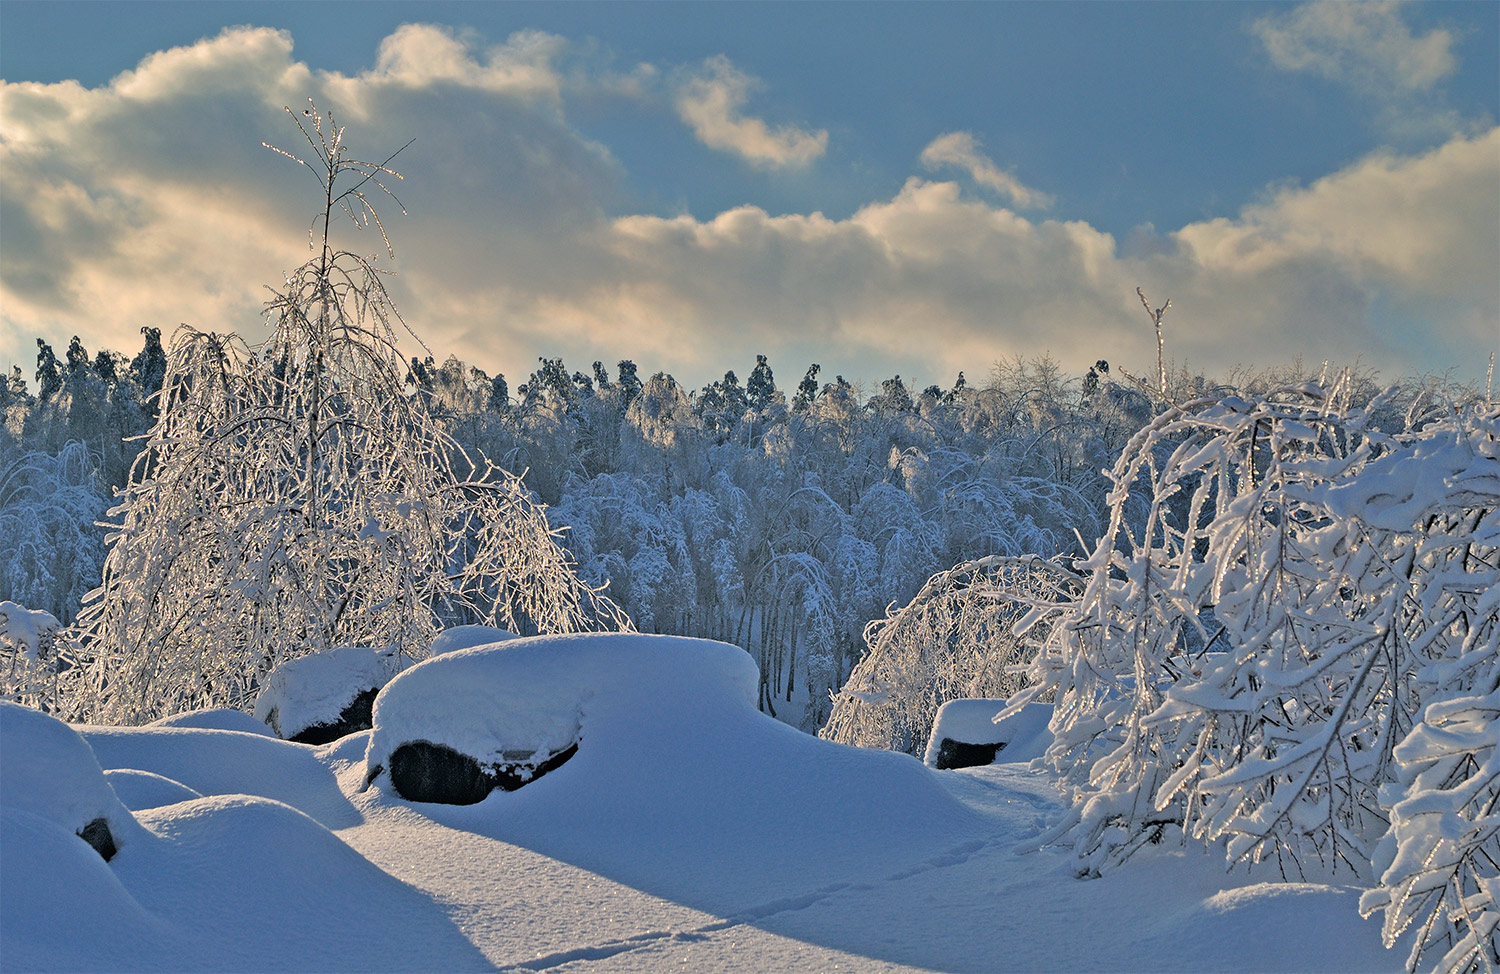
28, 656
1438, 863
954, 640
1243, 666
296, 496
50, 552
1247, 663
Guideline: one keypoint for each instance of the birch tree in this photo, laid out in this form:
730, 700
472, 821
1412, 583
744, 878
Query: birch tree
298, 495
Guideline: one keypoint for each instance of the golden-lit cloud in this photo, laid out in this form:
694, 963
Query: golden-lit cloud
960, 149
710, 103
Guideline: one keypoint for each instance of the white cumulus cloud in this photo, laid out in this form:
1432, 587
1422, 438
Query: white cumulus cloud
960, 149
710, 103
1365, 43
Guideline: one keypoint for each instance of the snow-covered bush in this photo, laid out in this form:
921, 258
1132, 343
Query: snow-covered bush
29, 663
296, 496
50, 553
1439, 865
1243, 664
1254, 640
954, 640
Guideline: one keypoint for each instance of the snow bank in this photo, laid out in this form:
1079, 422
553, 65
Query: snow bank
66, 910
216, 884
1023, 736
315, 690
49, 771
217, 762
467, 637
140, 790
216, 719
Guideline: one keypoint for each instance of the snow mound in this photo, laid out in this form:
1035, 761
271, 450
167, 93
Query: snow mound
1023, 736
518, 704
312, 698
140, 790
66, 910
49, 771
216, 762
467, 637
216, 719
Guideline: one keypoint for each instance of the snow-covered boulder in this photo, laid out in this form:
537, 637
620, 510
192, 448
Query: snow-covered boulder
457, 726
966, 734
51, 773
217, 719
321, 697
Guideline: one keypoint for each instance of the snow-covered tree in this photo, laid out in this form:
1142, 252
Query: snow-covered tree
1284, 645
297, 496
954, 640
50, 553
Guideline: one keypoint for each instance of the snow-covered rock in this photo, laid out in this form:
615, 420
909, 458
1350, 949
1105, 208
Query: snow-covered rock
51, 773
321, 697
966, 734
453, 728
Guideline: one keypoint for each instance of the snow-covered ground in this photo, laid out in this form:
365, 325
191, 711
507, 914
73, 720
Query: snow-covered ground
688, 831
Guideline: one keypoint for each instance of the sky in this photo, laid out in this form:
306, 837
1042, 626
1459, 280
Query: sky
883, 189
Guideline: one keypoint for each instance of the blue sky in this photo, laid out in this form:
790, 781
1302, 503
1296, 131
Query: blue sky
878, 187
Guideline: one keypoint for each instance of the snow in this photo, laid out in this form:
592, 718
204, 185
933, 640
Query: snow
973, 721
140, 790
315, 689
689, 831
464, 637
217, 719
50, 772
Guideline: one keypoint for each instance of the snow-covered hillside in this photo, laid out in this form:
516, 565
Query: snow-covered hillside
687, 831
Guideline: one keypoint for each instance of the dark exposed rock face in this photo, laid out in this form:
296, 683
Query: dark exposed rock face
352, 719
426, 772
97, 834
958, 754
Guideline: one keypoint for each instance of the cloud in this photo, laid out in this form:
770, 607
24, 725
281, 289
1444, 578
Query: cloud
1366, 45
1388, 262
710, 101
148, 201
960, 149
